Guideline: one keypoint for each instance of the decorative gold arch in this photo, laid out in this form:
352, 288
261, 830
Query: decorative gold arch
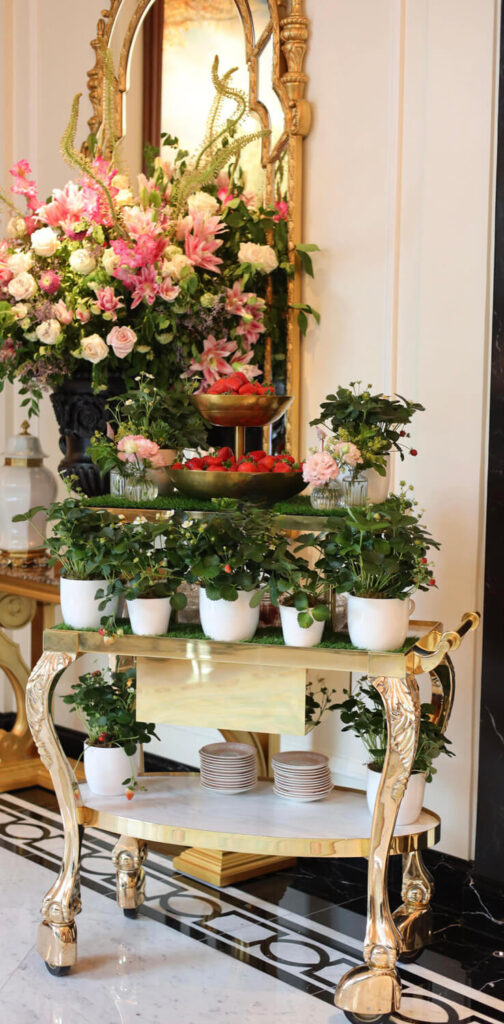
288, 28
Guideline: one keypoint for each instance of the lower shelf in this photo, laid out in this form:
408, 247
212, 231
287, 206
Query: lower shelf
253, 822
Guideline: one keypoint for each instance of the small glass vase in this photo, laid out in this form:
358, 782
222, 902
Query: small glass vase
354, 489
116, 483
140, 489
326, 496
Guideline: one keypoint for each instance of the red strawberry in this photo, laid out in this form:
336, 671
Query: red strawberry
266, 465
224, 454
194, 464
247, 389
235, 380
256, 456
130, 794
282, 467
220, 387
227, 568
176, 465
212, 461
247, 467
260, 390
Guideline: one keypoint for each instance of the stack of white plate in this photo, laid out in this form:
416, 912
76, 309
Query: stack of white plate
301, 775
228, 767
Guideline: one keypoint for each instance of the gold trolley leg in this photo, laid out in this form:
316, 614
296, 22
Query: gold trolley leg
373, 991
128, 857
57, 934
413, 919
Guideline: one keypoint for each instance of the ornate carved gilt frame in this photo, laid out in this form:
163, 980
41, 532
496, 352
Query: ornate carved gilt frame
288, 27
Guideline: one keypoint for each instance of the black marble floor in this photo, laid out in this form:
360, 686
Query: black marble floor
304, 926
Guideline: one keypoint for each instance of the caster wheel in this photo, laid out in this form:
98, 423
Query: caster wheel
130, 912
58, 972
365, 1018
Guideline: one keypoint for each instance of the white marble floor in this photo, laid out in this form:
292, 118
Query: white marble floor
193, 955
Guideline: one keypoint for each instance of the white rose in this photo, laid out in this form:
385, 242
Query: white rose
16, 227
110, 261
94, 348
20, 311
44, 242
173, 268
22, 287
82, 262
48, 332
202, 202
263, 256
19, 262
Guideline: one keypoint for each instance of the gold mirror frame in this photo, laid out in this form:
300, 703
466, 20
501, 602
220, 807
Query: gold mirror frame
288, 27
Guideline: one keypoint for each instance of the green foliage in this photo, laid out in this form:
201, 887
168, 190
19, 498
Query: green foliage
88, 543
153, 562
363, 714
293, 583
318, 701
376, 550
375, 423
168, 417
232, 551
106, 703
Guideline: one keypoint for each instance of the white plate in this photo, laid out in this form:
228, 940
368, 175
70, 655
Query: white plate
304, 760
227, 750
302, 799
229, 792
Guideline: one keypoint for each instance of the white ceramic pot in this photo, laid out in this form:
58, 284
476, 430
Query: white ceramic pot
79, 606
232, 621
294, 635
106, 769
150, 616
411, 803
378, 624
378, 486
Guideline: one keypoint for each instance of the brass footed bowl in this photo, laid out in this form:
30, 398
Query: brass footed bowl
254, 487
241, 410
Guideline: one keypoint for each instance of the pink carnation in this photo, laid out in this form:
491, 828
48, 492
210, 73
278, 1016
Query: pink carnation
349, 453
122, 341
320, 469
135, 447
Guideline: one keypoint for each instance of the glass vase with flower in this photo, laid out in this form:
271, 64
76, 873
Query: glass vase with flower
335, 473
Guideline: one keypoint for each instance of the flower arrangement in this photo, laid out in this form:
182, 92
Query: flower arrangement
172, 275
374, 424
363, 714
376, 551
145, 423
106, 702
323, 467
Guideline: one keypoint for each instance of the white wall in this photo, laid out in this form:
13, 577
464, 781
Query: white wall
398, 194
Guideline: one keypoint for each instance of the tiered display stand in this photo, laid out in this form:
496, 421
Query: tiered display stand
183, 678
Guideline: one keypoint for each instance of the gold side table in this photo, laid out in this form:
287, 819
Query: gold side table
27, 595
204, 682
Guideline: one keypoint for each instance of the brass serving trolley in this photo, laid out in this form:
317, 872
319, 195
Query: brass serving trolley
184, 680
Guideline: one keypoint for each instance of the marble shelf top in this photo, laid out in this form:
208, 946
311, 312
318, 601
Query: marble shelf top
177, 809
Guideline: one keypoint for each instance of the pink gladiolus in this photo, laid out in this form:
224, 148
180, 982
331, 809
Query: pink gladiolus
21, 169
49, 282
282, 211
61, 312
22, 186
320, 469
146, 287
136, 447
167, 290
213, 363
122, 341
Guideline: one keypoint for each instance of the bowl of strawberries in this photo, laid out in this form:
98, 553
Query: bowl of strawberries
255, 476
235, 401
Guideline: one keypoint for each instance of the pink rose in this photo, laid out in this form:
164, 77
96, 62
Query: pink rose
122, 341
135, 447
83, 315
62, 313
320, 469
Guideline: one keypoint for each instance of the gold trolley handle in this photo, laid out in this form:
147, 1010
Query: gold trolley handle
448, 642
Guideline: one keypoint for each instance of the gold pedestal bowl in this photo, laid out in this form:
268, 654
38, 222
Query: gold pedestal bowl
253, 487
241, 410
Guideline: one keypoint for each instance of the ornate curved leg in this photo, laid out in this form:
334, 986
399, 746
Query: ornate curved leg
413, 919
128, 857
57, 935
443, 691
374, 990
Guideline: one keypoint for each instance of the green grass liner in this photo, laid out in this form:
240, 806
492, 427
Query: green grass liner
299, 506
269, 636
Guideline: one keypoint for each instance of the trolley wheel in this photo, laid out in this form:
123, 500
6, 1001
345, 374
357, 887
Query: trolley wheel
130, 911
58, 972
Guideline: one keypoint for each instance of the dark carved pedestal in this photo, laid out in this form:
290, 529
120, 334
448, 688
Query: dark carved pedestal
80, 413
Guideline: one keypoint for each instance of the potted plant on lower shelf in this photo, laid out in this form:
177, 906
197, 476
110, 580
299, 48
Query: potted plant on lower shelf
87, 543
152, 569
106, 704
228, 555
363, 714
377, 555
